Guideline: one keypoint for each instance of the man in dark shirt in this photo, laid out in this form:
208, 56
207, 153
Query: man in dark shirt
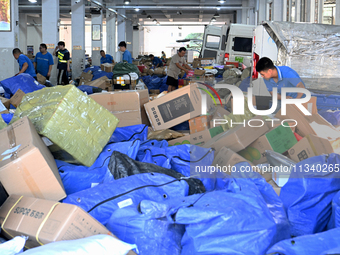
156, 61
63, 63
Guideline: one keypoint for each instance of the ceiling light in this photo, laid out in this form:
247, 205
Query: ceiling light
149, 17
158, 24
221, 1
137, 9
216, 15
32, 1
143, 13
179, 13
213, 19
218, 7
154, 21
70, 12
127, 1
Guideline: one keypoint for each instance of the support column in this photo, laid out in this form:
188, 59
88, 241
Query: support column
97, 19
239, 14
111, 45
9, 41
245, 18
262, 11
135, 42
50, 31
141, 40
78, 38
129, 31
290, 10
277, 10
23, 32
310, 11
121, 26
320, 12
337, 12
297, 10
285, 12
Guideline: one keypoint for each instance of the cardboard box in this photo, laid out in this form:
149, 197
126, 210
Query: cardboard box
198, 72
219, 113
107, 67
206, 61
301, 151
226, 158
320, 145
41, 79
154, 91
85, 78
237, 138
99, 83
6, 102
199, 123
16, 98
45, 221
196, 63
199, 138
29, 168
279, 139
127, 106
176, 107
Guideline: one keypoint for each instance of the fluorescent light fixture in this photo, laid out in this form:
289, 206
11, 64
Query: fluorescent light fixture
137, 9
32, 1
221, 1
127, 1
218, 7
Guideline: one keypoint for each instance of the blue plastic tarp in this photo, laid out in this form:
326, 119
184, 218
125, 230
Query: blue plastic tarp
307, 196
23, 81
318, 244
245, 218
332, 117
7, 117
102, 200
334, 222
129, 133
77, 177
86, 88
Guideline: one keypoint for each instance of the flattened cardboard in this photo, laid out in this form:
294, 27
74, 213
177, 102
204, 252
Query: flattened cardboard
63, 221
301, 151
175, 107
320, 145
17, 97
30, 170
127, 106
237, 138
86, 77
199, 138
99, 83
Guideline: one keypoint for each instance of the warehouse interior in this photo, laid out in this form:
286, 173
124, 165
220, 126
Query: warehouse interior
196, 127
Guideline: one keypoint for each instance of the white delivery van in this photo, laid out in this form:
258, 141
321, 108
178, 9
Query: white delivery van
228, 43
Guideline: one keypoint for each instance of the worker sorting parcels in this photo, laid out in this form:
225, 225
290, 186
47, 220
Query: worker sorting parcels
157, 62
279, 77
177, 64
106, 58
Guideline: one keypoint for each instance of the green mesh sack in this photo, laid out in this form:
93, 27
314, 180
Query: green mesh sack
78, 127
2, 123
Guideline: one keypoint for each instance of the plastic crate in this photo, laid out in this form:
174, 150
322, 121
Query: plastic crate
327, 101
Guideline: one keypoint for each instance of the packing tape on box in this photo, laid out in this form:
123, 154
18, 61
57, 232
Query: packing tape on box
43, 222
29, 180
40, 227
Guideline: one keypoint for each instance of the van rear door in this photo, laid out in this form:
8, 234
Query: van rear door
214, 43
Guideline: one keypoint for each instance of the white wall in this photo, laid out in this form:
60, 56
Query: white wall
34, 33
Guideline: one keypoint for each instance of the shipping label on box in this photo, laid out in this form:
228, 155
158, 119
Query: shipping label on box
197, 138
301, 151
45, 221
